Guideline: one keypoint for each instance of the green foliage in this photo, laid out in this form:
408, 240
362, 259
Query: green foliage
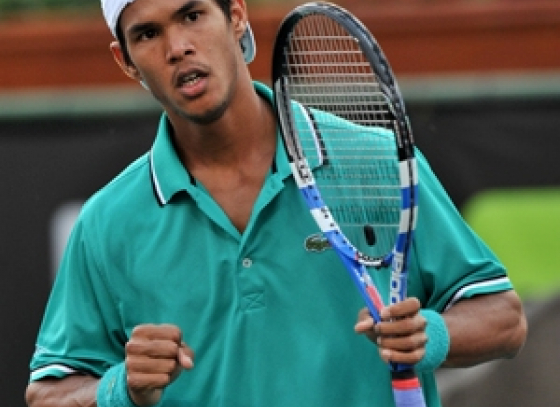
522, 226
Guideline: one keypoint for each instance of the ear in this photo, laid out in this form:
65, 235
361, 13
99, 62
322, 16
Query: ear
239, 17
128, 68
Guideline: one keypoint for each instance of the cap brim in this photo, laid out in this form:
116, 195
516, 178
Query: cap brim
248, 45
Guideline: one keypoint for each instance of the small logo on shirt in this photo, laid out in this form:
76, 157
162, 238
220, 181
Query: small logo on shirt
316, 243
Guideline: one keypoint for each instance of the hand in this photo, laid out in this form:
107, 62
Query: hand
400, 336
155, 356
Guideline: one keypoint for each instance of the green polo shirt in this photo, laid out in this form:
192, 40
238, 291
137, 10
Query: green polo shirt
269, 316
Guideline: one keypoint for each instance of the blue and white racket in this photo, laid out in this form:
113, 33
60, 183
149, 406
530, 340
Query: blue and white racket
351, 149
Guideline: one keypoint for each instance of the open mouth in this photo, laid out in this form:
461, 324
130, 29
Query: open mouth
190, 79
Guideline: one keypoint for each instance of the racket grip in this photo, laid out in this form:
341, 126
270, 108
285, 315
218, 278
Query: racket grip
407, 389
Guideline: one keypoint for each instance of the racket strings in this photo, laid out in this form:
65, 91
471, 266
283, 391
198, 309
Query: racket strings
329, 71
361, 186
354, 166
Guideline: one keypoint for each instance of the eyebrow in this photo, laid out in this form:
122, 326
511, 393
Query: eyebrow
137, 29
186, 8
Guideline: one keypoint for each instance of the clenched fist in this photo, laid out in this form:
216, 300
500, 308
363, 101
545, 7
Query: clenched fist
155, 357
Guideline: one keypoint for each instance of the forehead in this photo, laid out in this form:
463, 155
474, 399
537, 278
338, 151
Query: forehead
154, 10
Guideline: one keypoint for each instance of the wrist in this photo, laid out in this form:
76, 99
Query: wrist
438, 343
112, 390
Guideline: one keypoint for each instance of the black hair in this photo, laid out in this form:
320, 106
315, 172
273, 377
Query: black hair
225, 6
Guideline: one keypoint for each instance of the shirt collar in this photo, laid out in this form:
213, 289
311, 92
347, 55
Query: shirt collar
169, 176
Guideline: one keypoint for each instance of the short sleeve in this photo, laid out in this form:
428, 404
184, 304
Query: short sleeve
80, 328
449, 261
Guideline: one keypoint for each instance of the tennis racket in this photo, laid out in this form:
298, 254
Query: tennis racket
351, 151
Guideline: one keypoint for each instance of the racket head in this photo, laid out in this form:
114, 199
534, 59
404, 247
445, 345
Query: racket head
346, 131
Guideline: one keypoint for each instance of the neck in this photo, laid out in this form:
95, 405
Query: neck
247, 129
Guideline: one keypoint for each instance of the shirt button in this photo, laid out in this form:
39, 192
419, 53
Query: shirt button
247, 263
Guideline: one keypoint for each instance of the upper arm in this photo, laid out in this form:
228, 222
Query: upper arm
485, 327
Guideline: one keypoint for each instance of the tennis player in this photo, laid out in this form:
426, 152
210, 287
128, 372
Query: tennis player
197, 278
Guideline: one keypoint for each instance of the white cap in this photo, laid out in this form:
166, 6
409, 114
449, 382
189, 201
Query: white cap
112, 10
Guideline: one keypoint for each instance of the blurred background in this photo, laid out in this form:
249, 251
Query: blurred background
481, 79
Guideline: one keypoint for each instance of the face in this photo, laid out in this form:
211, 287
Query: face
186, 51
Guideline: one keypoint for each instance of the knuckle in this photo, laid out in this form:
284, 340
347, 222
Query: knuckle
168, 365
131, 365
134, 382
141, 330
168, 349
422, 322
417, 342
409, 325
409, 344
135, 346
172, 332
131, 347
419, 353
414, 302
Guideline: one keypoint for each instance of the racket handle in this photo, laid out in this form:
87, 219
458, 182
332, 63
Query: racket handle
407, 389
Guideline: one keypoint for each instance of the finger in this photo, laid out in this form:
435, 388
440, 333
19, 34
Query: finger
401, 327
363, 314
163, 332
140, 364
409, 343
406, 308
364, 325
154, 348
395, 356
185, 357
143, 382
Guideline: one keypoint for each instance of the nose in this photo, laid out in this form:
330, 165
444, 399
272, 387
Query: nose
178, 45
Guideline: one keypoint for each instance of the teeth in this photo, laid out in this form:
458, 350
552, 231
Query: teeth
190, 79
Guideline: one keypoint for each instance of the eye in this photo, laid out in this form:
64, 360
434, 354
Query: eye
192, 16
147, 34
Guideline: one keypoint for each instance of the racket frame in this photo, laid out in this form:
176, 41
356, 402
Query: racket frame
406, 385
397, 258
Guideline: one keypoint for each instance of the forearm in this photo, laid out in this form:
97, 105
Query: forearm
484, 328
72, 391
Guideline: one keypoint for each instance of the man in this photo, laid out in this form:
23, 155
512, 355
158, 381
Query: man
193, 250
